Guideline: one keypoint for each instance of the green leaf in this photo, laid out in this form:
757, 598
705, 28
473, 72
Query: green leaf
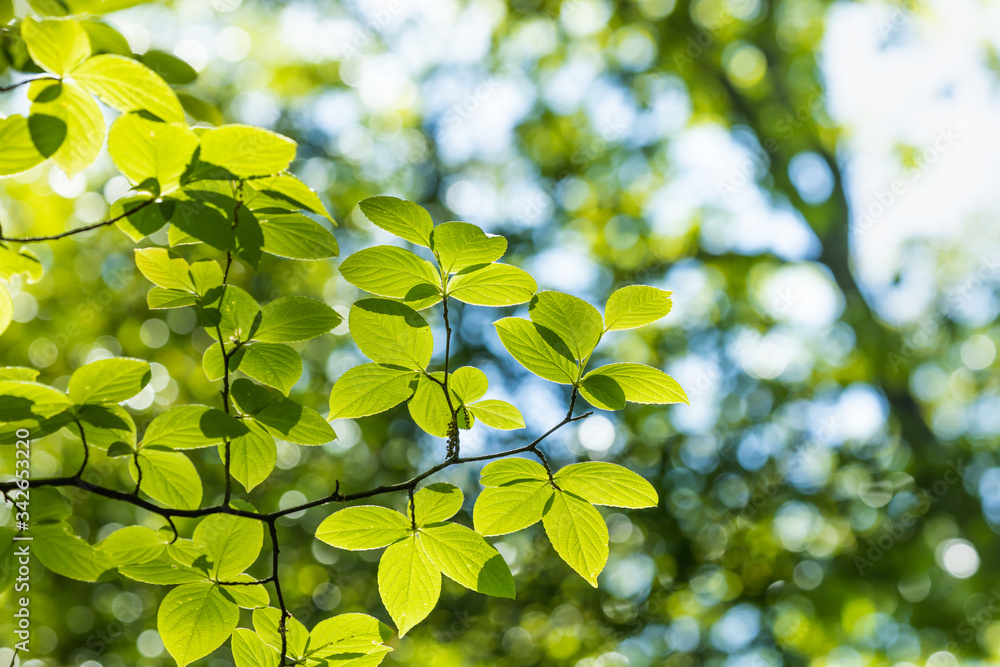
437, 502
108, 380
17, 149
576, 322
507, 509
250, 651
164, 570
492, 285
469, 383
293, 191
127, 85
408, 582
17, 374
105, 39
295, 423
66, 124
252, 456
497, 414
104, 426
6, 11
466, 558
58, 45
609, 387
400, 217
191, 427
289, 319
635, 306
231, 542
459, 245
22, 262
168, 477
199, 109
238, 314
578, 534
428, 406
194, 620
391, 333
538, 349
349, 633
163, 299
133, 545
244, 151
267, 624
369, 389
171, 68
206, 274
162, 270
138, 218
603, 483
363, 527
512, 471
394, 272
30, 401
64, 553
144, 150
295, 236
273, 364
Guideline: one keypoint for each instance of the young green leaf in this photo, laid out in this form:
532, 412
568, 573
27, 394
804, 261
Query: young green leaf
247, 595
108, 380
369, 389
64, 553
391, 333
363, 527
133, 545
289, 319
231, 542
408, 583
138, 218
17, 149
236, 312
393, 272
173, 70
512, 471
30, 401
206, 274
58, 45
497, 414
273, 364
459, 245
507, 509
635, 306
194, 620
144, 151
105, 426
245, 151
538, 349
428, 406
287, 420
21, 261
250, 651
469, 384
191, 427
252, 456
437, 502
350, 634
609, 387
161, 269
267, 624
400, 217
164, 299
168, 477
66, 124
17, 374
578, 534
295, 236
603, 483
293, 191
576, 322
492, 285
128, 85
466, 558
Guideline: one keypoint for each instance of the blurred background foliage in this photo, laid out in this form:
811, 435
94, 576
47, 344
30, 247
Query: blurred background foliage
813, 180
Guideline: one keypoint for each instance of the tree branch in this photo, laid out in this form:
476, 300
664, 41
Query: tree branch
79, 230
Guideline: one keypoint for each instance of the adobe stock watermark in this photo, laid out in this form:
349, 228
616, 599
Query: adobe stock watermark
892, 533
21, 553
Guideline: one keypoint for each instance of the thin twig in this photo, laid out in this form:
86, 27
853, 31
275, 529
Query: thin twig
79, 230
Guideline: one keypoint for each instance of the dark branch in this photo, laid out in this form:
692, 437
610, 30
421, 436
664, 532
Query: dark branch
79, 230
